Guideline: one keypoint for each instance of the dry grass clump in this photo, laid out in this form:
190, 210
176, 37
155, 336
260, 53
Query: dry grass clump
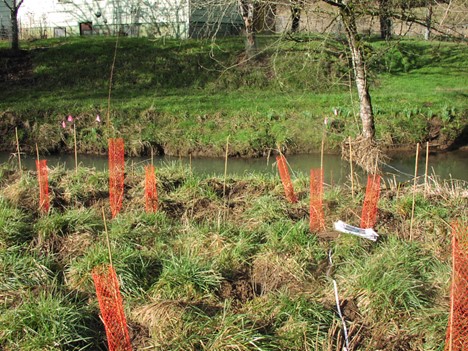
75, 245
272, 272
86, 188
163, 318
204, 242
449, 190
23, 193
365, 152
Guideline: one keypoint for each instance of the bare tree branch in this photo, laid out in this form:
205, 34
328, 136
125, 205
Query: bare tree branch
334, 3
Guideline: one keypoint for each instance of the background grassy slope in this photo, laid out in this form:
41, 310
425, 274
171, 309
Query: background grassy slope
187, 96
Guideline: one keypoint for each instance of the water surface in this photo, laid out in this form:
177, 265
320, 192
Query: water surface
452, 165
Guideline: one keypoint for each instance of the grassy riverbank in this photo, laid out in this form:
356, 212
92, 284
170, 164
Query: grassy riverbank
182, 97
222, 269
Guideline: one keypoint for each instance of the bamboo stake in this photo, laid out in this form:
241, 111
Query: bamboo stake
351, 166
397, 186
321, 150
110, 86
76, 152
190, 163
452, 288
107, 236
38, 173
278, 146
19, 152
427, 168
226, 165
414, 189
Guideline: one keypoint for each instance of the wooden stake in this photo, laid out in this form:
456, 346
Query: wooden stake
321, 150
76, 152
110, 86
427, 168
18, 151
452, 288
397, 186
190, 163
38, 173
225, 165
107, 236
351, 166
414, 189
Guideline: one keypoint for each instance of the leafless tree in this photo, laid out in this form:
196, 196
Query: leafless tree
14, 6
385, 19
247, 11
166, 16
296, 9
348, 13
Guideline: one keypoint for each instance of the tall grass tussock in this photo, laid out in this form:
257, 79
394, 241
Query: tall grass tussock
232, 269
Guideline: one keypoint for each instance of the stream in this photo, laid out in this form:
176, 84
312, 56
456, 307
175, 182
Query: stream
447, 166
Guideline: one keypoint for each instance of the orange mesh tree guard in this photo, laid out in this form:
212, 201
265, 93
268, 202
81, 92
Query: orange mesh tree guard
116, 174
151, 191
457, 330
42, 177
369, 208
111, 307
316, 217
286, 179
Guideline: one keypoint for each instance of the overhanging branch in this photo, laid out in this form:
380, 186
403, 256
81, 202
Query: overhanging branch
13, 8
334, 3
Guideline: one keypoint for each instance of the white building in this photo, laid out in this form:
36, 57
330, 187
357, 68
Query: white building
176, 18
4, 21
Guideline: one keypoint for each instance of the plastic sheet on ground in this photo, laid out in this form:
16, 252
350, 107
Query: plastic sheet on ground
367, 233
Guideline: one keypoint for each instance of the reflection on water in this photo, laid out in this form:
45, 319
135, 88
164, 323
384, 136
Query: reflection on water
453, 165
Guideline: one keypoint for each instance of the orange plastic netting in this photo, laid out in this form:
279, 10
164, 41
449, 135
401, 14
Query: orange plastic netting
116, 174
151, 191
111, 307
457, 330
286, 179
317, 220
369, 208
42, 176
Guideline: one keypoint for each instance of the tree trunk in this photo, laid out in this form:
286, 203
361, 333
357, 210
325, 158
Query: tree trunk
295, 19
246, 8
295, 16
385, 20
427, 32
14, 29
14, 7
360, 74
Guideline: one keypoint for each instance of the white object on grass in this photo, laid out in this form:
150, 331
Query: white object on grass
345, 330
367, 233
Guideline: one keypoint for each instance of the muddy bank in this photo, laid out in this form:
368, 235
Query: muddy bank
166, 135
